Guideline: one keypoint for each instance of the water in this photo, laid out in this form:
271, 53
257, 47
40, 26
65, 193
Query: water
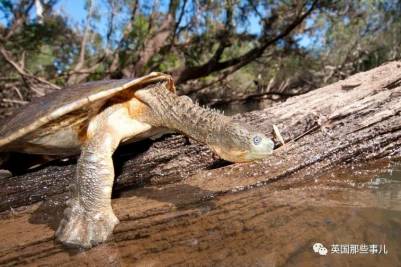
346, 209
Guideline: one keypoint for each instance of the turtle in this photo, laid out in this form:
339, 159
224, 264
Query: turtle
92, 119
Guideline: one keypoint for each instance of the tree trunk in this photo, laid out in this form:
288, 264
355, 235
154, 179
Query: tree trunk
352, 120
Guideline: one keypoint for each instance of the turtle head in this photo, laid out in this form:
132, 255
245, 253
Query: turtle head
239, 142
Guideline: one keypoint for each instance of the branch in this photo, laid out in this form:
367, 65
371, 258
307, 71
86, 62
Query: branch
81, 59
185, 74
20, 14
25, 74
177, 24
110, 29
115, 56
153, 44
256, 96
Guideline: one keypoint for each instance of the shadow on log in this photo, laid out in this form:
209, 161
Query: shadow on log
352, 120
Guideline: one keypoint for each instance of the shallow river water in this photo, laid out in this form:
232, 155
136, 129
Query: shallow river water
349, 216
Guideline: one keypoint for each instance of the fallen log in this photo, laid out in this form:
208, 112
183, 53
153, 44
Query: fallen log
352, 120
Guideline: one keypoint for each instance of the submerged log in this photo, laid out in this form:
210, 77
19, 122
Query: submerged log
352, 120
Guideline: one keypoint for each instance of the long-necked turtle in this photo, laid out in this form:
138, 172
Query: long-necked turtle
94, 118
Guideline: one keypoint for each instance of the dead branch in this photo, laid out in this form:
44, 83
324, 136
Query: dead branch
27, 76
153, 44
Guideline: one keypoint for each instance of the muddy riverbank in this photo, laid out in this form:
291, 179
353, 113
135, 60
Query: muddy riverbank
275, 224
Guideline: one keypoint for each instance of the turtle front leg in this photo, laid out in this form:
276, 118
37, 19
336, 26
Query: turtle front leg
89, 218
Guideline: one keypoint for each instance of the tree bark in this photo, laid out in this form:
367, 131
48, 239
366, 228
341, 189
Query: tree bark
352, 120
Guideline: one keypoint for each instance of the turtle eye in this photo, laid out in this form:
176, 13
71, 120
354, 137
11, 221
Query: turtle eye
257, 140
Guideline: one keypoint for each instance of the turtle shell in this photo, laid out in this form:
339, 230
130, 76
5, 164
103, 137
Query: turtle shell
51, 107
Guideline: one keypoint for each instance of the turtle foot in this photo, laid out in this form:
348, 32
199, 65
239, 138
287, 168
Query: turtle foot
81, 228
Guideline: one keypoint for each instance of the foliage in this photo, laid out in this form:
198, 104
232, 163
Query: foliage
262, 47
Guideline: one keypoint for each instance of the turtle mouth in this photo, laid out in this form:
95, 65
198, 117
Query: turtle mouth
258, 155
262, 151
231, 154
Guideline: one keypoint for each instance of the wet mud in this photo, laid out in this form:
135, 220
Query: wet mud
188, 224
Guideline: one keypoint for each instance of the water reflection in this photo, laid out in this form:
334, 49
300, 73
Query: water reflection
388, 187
274, 225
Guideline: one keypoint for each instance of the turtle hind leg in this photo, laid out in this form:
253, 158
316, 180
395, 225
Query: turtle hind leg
89, 218
4, 172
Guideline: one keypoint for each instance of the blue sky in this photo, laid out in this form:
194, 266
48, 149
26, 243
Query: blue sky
76, 12
74, 9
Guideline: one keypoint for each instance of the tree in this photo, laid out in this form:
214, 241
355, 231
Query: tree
189, 39
207, 46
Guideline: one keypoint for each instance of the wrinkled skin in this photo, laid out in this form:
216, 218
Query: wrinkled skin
232, 141
89, 219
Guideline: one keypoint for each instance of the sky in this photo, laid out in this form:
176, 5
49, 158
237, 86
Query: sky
75, 11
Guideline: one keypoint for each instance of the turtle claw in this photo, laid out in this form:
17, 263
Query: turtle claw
84, 229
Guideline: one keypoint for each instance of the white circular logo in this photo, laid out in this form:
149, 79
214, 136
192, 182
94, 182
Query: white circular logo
320, 249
